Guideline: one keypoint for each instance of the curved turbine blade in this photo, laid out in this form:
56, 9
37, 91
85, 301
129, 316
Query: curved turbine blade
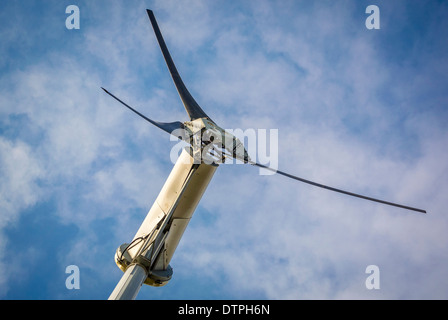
169, 127
337, 190
193, 109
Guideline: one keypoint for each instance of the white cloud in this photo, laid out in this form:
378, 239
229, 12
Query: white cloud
20, 171
19, 189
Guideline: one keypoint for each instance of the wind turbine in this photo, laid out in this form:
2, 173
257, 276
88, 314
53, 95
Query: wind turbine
146, 258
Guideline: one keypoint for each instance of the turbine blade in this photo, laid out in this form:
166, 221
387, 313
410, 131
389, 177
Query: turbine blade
191, 106
337, 190
169, 127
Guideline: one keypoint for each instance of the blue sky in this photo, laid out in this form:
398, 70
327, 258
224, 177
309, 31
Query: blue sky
362, 110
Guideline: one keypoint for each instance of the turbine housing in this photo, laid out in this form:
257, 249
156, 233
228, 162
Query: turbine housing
155, 278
